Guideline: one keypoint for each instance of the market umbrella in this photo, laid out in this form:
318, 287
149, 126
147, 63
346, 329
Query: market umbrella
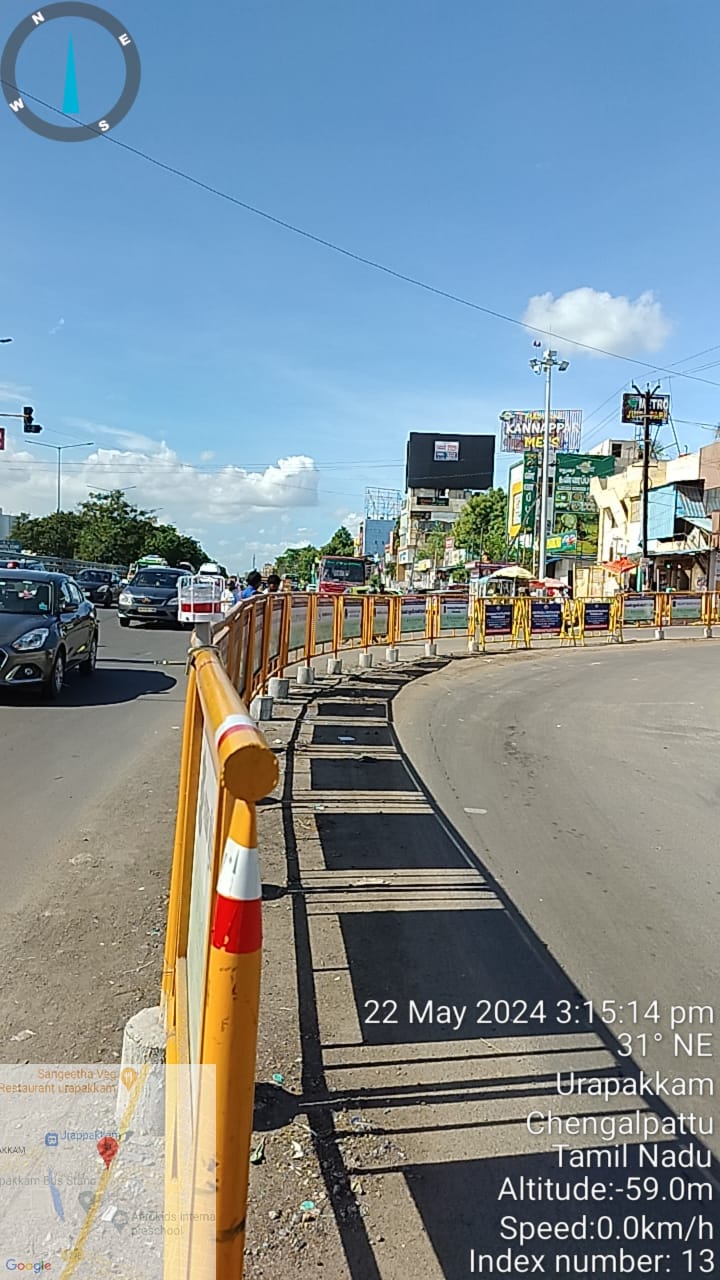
623, 565
511, 571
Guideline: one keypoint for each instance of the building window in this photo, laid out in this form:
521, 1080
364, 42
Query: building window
616, 449
634, 512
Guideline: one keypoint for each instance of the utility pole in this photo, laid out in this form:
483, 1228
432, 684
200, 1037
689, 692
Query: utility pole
546, 365
646, 397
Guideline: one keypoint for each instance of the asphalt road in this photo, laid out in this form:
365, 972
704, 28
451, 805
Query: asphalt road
587, 783
57, 757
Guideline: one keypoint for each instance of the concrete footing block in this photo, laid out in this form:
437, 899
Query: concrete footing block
261, 707
431, 649
365, 661
305, 675
473, 645
659, 633
279, 688
143, 1047
708, 633
392, 654
334, 667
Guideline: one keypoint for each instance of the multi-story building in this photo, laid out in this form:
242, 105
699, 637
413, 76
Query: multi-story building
423, 511
683, 496
7, 523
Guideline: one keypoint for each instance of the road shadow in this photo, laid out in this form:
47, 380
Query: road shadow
107, 687
442, 1043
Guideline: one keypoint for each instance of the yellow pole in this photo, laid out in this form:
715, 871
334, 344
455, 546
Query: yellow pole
184, 826
230, 1032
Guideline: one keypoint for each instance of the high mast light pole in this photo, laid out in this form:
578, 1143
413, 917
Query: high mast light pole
545, 364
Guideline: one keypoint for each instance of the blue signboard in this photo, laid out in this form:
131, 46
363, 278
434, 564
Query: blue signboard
546, 617
498, 619
597, 616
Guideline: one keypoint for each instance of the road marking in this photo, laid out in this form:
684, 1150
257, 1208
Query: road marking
475, 810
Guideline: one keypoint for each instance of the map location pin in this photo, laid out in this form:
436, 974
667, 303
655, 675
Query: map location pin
128, 1075
108, 1149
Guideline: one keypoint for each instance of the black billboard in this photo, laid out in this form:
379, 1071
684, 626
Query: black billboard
443, 460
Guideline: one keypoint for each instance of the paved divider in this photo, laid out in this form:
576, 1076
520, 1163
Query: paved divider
211, 977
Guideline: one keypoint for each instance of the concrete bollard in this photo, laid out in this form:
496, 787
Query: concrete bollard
279, 688
143, 1046
431, 649
261, 707
366, 661
305, 675
392, 654
659, 633
708, 633
473, 645
334, 666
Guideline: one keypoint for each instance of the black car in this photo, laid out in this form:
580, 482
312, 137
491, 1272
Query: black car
46, 627
151, 596
102, 586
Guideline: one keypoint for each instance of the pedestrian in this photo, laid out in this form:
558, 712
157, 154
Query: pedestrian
254, 583
286, 584
273, 583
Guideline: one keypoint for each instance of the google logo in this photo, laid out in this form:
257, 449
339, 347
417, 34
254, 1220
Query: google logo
36, 1267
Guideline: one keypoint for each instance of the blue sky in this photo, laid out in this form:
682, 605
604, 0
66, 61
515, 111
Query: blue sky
499, 152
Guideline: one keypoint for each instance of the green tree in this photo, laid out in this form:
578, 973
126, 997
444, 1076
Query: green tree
167, 541
298, 563
54, 535
341, 543
481, 527
434, 545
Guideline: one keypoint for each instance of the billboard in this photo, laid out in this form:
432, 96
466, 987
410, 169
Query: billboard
575, 511
375, 537
522, 429
437, 461
633, 410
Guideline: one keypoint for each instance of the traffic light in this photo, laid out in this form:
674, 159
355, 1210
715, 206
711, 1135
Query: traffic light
30, 427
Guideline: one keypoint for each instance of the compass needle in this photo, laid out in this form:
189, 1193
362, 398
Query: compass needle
71, 104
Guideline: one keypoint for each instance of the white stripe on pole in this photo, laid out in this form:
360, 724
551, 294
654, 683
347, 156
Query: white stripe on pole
239, 877
234, 722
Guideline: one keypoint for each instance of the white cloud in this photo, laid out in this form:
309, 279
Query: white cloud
351, 520
14, 393
184, 494
207, 455
57, 327
601, 320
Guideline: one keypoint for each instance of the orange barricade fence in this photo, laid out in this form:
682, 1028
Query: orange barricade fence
261, 637
211, 974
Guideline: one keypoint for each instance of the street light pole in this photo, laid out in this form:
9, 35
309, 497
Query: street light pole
546, 365
60, 449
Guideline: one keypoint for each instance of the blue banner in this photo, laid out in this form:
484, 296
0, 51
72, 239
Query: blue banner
546, 617
597, 616
498, 619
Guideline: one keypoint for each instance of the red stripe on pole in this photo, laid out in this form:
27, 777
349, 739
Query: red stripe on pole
237, 926
234, 728
198, 606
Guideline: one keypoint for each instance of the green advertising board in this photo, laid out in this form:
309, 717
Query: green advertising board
531, 470
575, 510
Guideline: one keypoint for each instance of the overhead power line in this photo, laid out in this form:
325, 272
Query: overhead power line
373, 263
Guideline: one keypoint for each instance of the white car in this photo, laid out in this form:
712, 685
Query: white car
210, 571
